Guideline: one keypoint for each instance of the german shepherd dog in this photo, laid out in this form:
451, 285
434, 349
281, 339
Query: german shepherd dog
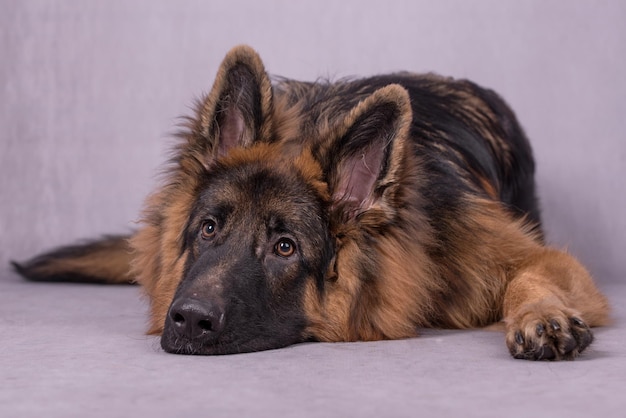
362, 209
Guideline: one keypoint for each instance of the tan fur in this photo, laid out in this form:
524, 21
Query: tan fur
505, 269
550, 287
157, 265
403, 298
392, 270
110, 262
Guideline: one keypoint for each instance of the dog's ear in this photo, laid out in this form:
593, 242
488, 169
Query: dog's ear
365, 157
236, 111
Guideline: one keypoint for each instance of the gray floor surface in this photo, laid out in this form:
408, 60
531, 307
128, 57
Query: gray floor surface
80, 350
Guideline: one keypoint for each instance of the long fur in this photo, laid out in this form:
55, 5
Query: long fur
339, 211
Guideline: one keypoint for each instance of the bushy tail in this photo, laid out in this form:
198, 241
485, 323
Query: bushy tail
106, 260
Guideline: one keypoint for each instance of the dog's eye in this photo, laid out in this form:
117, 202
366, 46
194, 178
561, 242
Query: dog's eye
208, 229
285, 247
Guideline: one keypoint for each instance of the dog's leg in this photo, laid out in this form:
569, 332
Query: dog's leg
549, 306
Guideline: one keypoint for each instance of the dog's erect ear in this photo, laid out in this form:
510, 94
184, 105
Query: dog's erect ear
366, 154
235, 113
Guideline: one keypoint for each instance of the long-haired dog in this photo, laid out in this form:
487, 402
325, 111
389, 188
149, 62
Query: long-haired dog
357, 210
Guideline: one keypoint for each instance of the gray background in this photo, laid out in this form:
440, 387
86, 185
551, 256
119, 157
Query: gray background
89, 95
91, 92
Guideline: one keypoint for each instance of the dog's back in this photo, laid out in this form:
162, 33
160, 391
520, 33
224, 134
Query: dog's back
468, 136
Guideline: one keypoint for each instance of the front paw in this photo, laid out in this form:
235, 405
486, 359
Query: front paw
547, 333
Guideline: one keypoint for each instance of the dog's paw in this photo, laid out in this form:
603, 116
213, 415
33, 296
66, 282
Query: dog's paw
547, 332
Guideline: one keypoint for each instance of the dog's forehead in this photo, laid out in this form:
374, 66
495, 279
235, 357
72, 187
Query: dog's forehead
262, 188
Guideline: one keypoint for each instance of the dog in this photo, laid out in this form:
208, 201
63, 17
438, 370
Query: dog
363, 209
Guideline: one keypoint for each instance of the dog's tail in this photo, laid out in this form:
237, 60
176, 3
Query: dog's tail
106, 260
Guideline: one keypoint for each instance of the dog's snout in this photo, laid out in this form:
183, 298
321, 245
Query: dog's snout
196, 319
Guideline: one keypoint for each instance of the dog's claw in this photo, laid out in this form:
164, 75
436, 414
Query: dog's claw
545, 332
540, 329
555, 325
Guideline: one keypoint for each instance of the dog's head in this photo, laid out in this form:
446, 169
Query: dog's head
258, 240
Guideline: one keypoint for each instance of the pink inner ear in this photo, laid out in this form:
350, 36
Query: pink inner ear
357, 177
231, 130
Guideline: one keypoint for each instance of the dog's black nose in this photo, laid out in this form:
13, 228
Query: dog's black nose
196, 319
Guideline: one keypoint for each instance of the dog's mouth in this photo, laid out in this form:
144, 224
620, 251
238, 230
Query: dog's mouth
195, 327
177, 344
181, 345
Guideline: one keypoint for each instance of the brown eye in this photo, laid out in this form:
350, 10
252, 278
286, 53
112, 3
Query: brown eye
285, 247
208, 229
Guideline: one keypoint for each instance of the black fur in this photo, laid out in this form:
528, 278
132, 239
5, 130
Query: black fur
260, 291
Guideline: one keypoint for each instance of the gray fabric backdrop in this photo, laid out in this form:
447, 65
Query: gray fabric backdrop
90, 92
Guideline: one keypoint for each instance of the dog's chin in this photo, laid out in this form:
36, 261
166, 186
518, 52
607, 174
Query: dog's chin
180, 346
190, 349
